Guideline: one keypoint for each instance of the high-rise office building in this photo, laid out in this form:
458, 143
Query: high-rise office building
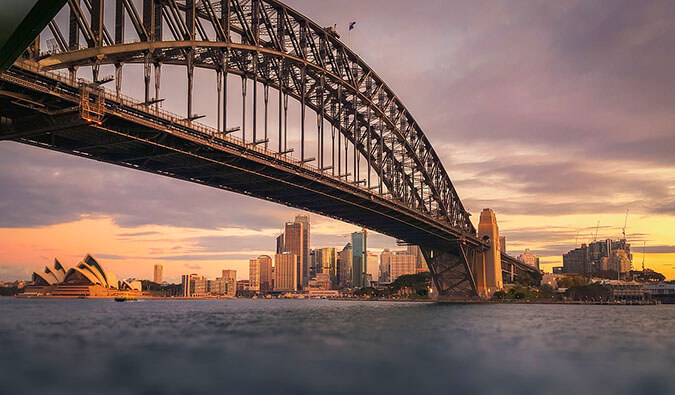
420, 262
401, 264
158, 275
265, 273
359, 262
293, 242
598, 256
373, 267
253, 275
280, 243
502, 244
286, 272
385, 266
326, 262
345, 266
306, 246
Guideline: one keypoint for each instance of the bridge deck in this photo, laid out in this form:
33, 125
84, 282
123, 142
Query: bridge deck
141, 137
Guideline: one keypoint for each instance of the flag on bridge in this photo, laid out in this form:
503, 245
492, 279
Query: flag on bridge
352, 25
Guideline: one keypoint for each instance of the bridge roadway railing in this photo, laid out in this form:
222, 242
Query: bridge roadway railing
133, 107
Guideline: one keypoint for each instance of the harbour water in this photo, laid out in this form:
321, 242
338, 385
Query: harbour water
333, 347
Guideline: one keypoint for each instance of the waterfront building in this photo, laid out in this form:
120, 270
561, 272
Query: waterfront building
529, 259
385, 266
293, 244
193, 285
359, 261
401, 264
345, 266
286, 272
265, 273
626, 291
222, 286
306, 246
242, 285
158, 276
130, 284
87, 279
663, 292
50, 276
322, 281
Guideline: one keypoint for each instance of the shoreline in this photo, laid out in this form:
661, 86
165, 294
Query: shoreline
425, 301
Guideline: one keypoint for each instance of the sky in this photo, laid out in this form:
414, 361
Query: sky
557, 115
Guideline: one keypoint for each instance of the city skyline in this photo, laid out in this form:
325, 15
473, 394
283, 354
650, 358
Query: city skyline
563, 169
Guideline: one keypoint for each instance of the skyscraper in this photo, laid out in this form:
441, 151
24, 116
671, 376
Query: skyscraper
359, 263
293, 242
286, 272
385, 266
326, 262
345, 266
420, 262
306, 246
280, 243
265, 272
254, 275
159, 274
402, 263
373, 267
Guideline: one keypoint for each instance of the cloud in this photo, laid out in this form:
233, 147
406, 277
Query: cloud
536, 108
50, 188
193, 266
136, 234
110, 256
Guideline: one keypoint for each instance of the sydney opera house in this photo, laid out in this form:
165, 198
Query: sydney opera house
87, 279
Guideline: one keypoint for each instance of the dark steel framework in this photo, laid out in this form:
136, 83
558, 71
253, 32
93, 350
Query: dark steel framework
395, 173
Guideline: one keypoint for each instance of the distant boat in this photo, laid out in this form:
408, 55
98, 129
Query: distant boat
125, 298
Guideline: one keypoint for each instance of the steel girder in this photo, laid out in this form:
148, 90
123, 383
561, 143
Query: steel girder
271, 43
450, 268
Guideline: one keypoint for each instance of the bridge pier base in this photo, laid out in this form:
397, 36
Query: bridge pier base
451, 272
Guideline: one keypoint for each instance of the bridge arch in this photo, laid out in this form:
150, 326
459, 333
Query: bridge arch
410, 197
272, 44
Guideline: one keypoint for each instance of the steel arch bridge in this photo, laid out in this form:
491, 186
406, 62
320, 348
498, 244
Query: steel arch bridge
372, 164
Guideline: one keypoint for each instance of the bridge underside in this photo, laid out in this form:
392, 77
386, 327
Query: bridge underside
43, 112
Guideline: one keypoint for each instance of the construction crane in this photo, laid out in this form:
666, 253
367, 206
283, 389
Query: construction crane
625, 222
644, 251
597, 228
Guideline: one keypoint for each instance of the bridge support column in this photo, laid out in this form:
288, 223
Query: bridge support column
451, 272
492, 258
